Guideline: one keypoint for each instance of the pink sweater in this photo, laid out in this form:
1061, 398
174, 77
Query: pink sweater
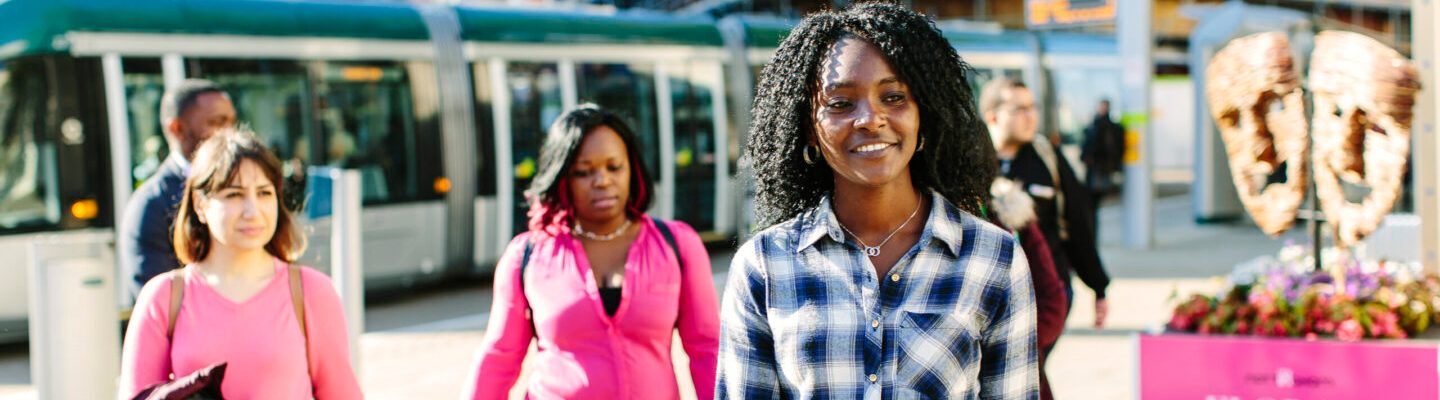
259, 337
584, 353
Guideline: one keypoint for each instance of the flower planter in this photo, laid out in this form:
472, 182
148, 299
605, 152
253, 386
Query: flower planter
1188, 366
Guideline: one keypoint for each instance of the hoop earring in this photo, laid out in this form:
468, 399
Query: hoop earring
805, 154
921, 147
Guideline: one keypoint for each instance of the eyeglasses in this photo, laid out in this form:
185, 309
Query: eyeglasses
1026, 109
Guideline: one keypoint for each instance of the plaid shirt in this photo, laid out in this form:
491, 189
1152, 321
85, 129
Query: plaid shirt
804, 315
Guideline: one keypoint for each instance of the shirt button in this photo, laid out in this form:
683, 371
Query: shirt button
875, 324
895, 277
874, 378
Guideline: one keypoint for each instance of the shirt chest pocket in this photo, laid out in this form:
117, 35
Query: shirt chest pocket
933, 351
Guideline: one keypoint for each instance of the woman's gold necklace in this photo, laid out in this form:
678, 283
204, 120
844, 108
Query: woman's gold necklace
874, 251
603, 238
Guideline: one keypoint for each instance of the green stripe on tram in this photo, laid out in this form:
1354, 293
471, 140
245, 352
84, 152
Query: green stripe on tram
533, 26
35, 26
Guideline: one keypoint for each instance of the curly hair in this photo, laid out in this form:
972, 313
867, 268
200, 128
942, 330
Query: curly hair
958, 161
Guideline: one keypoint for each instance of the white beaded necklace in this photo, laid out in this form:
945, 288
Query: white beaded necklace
603, 238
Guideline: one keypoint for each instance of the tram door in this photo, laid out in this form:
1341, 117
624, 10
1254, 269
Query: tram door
535, 103
692, 98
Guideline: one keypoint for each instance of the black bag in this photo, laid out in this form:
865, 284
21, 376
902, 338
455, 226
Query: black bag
203, 384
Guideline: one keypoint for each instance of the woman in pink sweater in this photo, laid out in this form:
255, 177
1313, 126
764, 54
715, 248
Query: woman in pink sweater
606, 284
235, 299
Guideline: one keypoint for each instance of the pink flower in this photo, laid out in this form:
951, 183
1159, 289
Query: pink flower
1263, 300
1350, 331
1325, 326
1181, 322
1279, 330
1311, 336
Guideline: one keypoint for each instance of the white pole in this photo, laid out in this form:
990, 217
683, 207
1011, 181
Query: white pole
663, 104
1423, 16
172, 67
119, 120
1136, 43
346, 265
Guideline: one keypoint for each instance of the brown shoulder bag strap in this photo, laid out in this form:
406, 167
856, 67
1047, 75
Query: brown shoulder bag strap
297, 300
177, 293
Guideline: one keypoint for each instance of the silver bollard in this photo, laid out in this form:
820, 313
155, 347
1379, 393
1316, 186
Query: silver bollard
74, 324
345, 256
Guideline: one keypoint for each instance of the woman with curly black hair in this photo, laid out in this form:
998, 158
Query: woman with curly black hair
875, 279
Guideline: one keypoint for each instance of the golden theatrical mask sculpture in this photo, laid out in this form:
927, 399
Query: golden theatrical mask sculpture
1363, 93
1255, 97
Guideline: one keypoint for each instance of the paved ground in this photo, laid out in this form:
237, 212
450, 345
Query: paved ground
421, 345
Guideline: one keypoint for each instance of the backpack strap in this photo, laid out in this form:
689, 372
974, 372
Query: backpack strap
670, 239
524, 263
679, 260
177, 293
1047, 156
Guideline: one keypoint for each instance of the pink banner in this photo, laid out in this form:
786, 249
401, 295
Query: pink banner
1249, 368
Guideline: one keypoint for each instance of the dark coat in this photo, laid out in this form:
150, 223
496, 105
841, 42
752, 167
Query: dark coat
1079, 251
144, 245
1104, 147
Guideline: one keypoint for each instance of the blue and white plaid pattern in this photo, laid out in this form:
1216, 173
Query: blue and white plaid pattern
804, 315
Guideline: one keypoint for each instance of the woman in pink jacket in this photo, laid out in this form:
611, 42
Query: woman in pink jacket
606, 284
234, 302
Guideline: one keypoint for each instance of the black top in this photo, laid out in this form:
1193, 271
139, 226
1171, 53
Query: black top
1080, 252
611, 298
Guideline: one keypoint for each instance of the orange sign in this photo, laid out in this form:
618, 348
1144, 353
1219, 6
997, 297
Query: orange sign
1048, 13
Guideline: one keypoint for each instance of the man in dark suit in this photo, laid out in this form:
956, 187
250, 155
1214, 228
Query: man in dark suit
189, 114
1062, 202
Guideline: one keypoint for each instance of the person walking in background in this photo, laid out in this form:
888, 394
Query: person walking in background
1012, 209
875, 278
189, 114
1062, 203
600, 285
239, 300
1103, 155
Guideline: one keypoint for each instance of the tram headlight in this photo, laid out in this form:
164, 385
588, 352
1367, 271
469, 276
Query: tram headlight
442, 185
86, 209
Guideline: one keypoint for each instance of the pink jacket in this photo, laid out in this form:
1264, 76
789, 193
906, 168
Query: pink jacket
259, 337
584, 353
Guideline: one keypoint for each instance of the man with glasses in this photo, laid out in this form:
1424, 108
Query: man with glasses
1062, 202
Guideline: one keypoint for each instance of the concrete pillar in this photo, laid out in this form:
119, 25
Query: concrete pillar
1133, 31
1426, 171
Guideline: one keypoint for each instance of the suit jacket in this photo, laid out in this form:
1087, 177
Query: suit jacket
1080, 252
144, 234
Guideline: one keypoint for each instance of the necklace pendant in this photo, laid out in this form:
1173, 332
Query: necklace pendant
872, 251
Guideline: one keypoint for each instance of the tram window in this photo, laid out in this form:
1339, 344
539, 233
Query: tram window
627, 90
535, 103
272, 98
144, 86
977, 78
484, 130
368, 121
28, 179
1077, 93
